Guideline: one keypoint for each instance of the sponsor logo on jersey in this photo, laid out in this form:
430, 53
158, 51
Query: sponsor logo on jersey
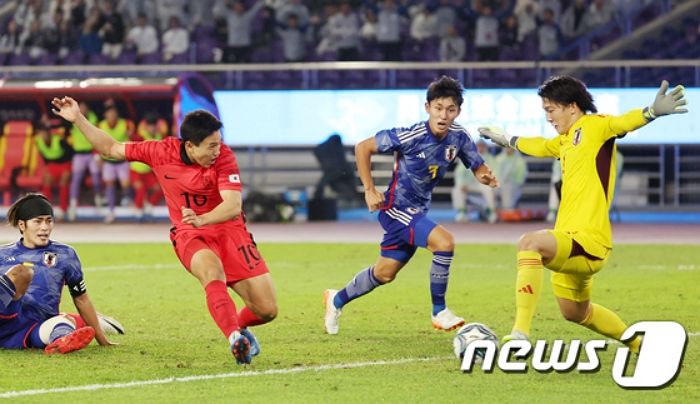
577, 137
450, 152
50, 259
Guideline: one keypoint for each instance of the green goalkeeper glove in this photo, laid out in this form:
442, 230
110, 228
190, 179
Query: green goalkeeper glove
499, 136
665, 104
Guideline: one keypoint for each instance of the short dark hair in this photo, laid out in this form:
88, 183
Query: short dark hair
565, 90
198, 125
446, 86
13, 213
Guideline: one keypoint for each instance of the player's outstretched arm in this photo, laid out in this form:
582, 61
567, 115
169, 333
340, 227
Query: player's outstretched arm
498, 136
363, 158
87, 312
68, 109
667, 103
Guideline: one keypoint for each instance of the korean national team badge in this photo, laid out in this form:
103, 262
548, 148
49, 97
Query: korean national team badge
577, 137
450, 152
49, 259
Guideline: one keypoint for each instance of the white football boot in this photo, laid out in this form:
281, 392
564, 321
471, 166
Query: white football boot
446, 320
515, 334
332, 313
110, 325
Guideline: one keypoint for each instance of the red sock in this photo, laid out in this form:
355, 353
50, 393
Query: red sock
79, 322
247, 318
221, 307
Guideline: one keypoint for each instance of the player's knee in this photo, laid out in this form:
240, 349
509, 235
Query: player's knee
446, 243
575, 316
384, 276
528, 242
268, 312
21, 276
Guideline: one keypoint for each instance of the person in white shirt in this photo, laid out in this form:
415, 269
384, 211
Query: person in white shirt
176, 40
452, 46
143, 36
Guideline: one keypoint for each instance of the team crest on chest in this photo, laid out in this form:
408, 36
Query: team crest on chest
50, 259
450, 152
577, 137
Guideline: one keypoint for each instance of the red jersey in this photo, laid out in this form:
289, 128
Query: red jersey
186, 183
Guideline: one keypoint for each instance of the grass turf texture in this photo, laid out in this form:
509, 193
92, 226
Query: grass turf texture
170, 333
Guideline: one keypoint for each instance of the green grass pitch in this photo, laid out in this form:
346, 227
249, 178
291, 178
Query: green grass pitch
383, 338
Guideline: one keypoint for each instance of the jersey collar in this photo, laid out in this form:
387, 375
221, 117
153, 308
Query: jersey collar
20, 245
183, 154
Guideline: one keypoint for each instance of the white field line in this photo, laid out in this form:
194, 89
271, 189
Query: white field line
187, 379
131, 266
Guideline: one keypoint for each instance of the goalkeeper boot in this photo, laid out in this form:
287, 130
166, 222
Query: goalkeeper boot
446, 320
515, 335
240, 348
73, 341
332, 313
254, 344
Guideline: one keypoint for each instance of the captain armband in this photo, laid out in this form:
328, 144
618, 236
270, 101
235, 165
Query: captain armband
78, 288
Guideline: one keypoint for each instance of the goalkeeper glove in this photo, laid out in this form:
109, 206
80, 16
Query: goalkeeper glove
499, 136
665, 104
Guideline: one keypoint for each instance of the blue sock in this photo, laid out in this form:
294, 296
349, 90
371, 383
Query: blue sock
361, 284
60, 330
439, 275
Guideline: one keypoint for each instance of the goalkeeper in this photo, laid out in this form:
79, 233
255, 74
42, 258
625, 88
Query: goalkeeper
581, 241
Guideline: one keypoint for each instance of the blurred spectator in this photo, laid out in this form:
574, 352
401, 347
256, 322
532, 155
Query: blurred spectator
33, 40
486, 34
143, 36
293, 42
368, 30
90, 41
27, 12
265, 31
131, 9
389, 26
553, 5
205, 12
120, 130
78, 13
452, 46
508, 32
573, 21
57, 155
511, 170
344, 31
527, 21
599, 13
554, 191
10, 40
111, 31
424, 24
239, 30
446, 16
83, 159
176, 40
147, 192
68, 41
549, 35
296, 7
170, 8
465, 183
51, 34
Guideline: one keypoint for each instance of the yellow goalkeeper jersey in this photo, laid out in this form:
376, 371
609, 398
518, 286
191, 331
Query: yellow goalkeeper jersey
587, 154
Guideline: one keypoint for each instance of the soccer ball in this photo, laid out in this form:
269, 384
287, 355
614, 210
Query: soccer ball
469, 333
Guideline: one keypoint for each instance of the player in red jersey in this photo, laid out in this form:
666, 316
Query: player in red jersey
202, 187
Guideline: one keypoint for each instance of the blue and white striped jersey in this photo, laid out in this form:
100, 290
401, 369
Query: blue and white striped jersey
421, 161
54, 265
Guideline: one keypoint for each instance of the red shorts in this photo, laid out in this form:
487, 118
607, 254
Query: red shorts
56, 170
234, 247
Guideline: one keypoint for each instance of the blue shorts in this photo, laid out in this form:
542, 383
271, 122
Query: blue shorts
16, 327
404, 232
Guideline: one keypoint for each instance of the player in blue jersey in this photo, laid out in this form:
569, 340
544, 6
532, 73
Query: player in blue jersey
32, 274
423, 154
